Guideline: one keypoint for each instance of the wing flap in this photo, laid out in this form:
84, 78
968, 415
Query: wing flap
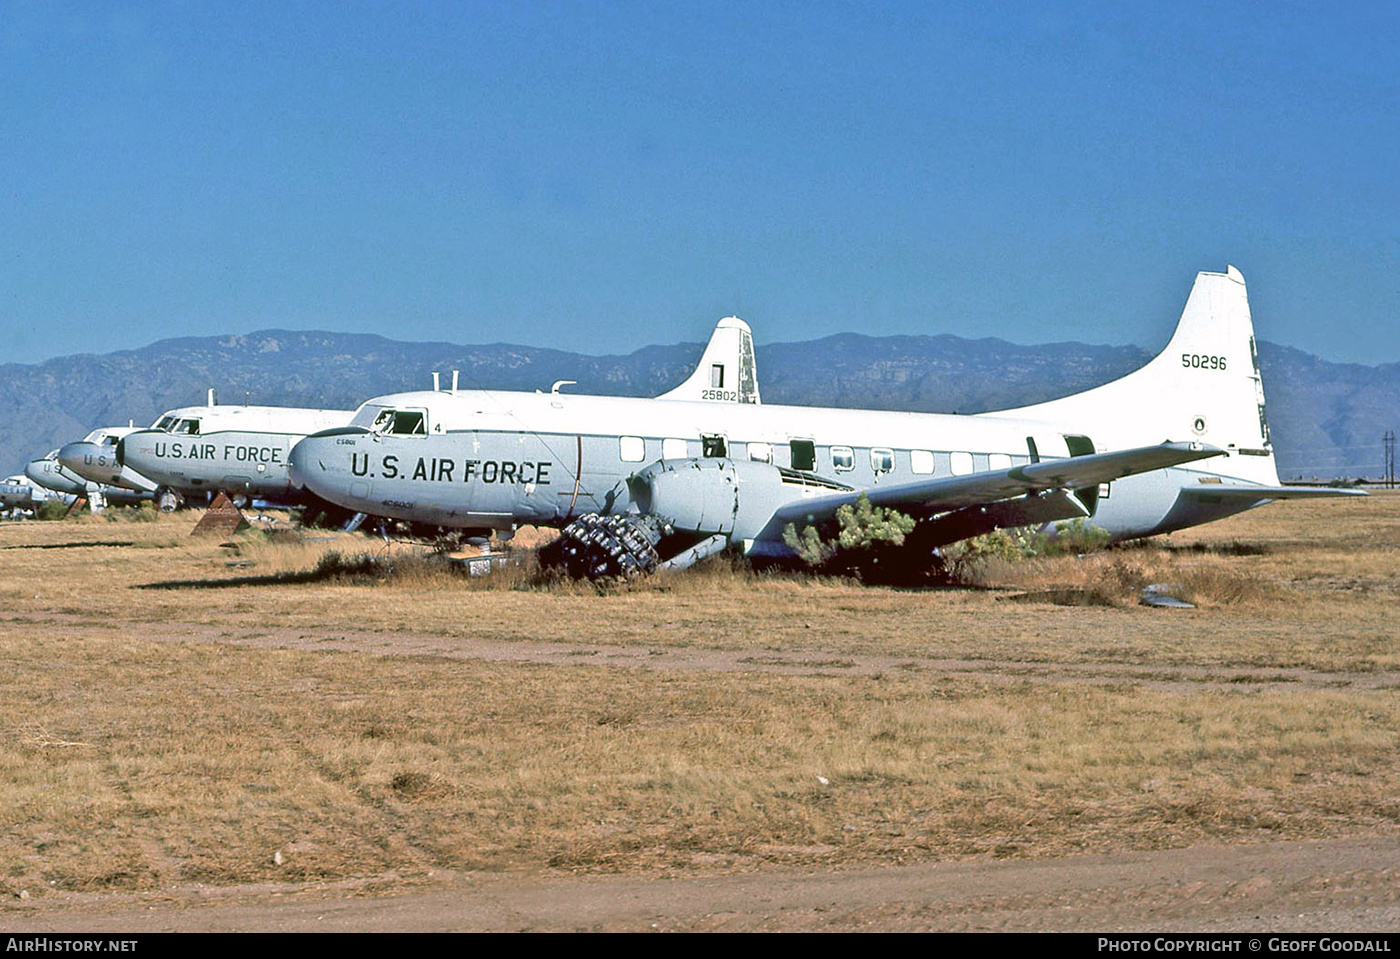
1220, 492
1033, 509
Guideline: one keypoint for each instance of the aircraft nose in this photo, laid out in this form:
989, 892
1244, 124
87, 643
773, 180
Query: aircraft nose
296, 459
318, 464
303, 462
71, 454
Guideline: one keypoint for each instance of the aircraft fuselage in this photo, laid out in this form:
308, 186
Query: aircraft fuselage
492, 460
236, 449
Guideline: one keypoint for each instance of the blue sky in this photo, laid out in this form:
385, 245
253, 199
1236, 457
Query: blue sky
599, 177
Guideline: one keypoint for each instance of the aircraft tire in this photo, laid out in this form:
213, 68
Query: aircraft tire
167, 500
607, 547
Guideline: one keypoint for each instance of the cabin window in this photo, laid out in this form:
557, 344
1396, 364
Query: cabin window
717, 375
881, 459
998, 461
843, 459
804, 455
632, 448
960, 464
408, 424
714, 445
400, 423
674, 449
1104, 490
921, 461
761, 452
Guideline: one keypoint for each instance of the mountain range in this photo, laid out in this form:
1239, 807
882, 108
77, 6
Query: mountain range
1327, 418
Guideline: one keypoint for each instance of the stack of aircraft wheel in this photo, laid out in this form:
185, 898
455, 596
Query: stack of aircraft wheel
608, 547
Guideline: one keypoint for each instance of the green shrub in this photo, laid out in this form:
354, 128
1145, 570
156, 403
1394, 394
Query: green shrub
1076, 536
143, 512
862, 537
52, 509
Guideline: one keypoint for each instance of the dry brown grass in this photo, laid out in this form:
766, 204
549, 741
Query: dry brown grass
128, 762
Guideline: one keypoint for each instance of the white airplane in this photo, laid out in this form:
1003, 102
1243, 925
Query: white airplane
20, 492
196, 451
1181, 441
94, 458
53, 476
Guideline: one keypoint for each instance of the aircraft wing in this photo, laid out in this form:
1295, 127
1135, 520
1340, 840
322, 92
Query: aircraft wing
1022, 495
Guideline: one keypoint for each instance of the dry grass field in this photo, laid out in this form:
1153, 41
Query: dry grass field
191, 710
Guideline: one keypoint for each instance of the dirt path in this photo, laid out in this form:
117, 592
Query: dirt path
1336, 886
1178, 677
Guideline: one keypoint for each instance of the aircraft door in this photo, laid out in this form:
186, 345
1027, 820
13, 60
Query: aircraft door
804, 454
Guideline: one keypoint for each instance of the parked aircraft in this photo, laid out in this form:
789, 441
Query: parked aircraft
94, 458
49, 473
243, 450
1182, 441
20, 492
196, 451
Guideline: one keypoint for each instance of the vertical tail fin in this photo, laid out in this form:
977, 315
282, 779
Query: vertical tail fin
727, 372
1205, 386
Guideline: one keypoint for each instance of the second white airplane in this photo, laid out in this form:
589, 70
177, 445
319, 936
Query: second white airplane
196, 451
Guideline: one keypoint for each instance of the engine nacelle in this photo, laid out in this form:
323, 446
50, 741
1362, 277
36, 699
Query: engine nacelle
734, 498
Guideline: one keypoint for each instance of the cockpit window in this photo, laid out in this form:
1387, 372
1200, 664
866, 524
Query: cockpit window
186, 426
401, 423
109, 440
164, 423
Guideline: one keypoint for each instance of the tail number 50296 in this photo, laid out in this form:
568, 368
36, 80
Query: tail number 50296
1201, 361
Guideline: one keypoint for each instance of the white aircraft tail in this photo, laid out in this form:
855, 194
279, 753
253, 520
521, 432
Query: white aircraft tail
1204, 387
727, 372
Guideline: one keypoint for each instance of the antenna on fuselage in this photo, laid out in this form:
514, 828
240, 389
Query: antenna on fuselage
454, 382
213, 400
554, 390
437, 385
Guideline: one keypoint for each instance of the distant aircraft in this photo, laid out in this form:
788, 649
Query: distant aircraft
634, 482
49, 473
20, 492
196, 451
